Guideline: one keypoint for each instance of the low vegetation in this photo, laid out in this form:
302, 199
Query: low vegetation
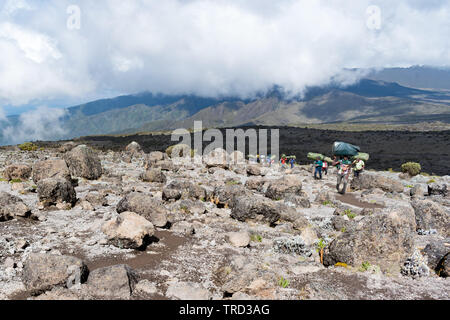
412, 168
28, 146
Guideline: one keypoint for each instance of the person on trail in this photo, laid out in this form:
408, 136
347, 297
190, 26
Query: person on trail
318, 164
292, 162
283, 162
336, 163
345, 168
359, 167
325, 167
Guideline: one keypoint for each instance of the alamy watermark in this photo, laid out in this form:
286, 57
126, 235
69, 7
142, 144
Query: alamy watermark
373, 21
235, 140
74, 19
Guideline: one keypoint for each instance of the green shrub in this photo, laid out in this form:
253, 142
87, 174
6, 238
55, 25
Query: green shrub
365, 266
413, 168
28, 146
256, 238
284, 283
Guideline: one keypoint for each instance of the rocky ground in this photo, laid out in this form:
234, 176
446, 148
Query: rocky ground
78, 223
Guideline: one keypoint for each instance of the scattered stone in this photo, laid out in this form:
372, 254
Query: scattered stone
187, 291
290, 184
143, 204
55, 191
431, 215
83, 162
436, 189
17, 172
146, 287
112, 283
42, 272
184, 228
12, 207
129, 231
51, 169
239, 239
154, 175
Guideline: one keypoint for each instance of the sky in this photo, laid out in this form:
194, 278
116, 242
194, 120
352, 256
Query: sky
61, 53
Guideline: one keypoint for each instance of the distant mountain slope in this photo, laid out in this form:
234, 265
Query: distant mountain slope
366, 101
417, 77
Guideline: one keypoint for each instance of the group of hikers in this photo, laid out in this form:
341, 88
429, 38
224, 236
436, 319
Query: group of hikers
344, 166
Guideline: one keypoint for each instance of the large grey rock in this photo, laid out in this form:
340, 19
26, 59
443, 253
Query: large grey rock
112, 283
42, 272
255, 183
217, 158
370, 180
83, 162
55, 191
97, 199
416, 266
153, 158
154, 175
384, 239
129, 231
255, 208
431, 215
289, 184
14, 172
436, 252
12, 207
134, 149
224, 195
50, 169
143, 204
254, 170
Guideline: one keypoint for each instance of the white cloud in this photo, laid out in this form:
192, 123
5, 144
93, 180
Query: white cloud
210, 47
41, 124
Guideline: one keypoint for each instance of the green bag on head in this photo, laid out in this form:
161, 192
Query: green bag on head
362, 156
314, 156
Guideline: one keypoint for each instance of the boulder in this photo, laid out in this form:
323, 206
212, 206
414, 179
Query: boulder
289, 184
112, 283
97, 199
370, 180
431, 215
83, 162
183, 189
134, 149
217, 158
298, 201
66, 147
54, 191
415, 266
224, 195
255, 183
143, 204
238, 239
17, 172
165, 165
129, 231
254, 170
154, 175
42, 272
255, 208
50, 169
187, 291
436, 252
385, 239
183, 228
153, 158
12, 207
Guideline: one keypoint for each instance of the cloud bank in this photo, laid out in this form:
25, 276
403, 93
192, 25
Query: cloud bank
208, 47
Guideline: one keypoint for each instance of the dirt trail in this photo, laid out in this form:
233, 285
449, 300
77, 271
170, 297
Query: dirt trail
352, 200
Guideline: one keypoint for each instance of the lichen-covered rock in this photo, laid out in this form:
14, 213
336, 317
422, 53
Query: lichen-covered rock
143, 204
153, 158
294, 245
50, 169
56, 191
129, 231
12, 207
385, 239
224, 195
112, 283
289, 184
431, 215
42, 272
436, 189
416, 266
83, 162
370, 180
17, 172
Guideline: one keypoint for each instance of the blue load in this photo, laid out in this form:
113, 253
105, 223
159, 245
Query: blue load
345, 149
